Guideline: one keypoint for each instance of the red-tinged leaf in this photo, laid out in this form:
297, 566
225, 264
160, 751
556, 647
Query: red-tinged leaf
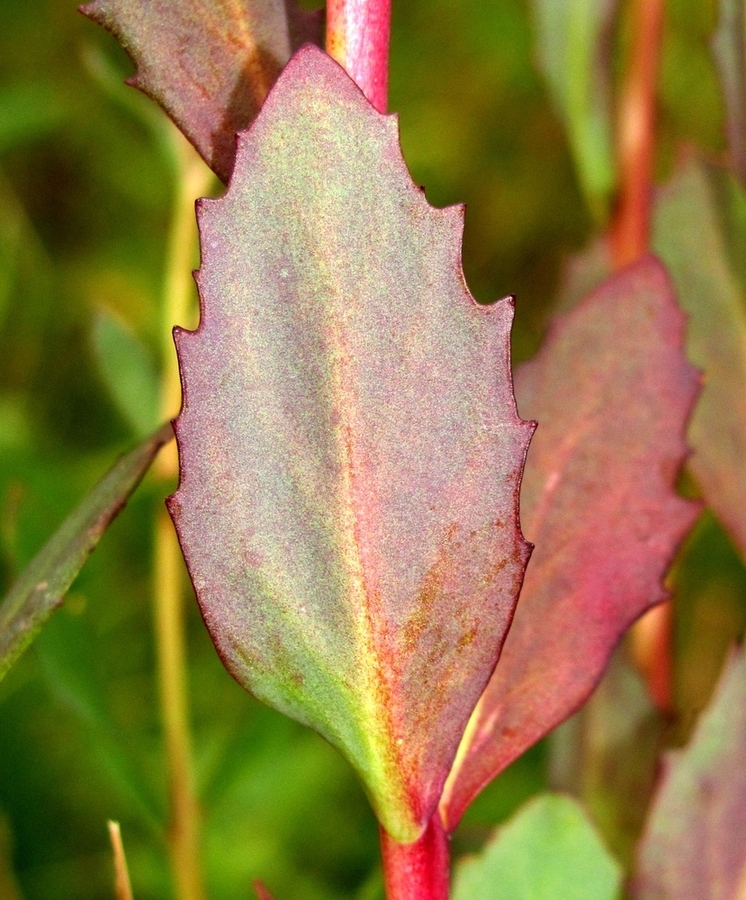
208, 63
350, 449
694, 845
611, 390
689, 238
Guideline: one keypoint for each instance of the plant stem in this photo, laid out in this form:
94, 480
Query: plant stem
417, 871
630, 239
357, 36
636, 134
184, 832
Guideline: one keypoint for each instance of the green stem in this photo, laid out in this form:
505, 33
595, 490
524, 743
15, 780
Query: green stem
185, 828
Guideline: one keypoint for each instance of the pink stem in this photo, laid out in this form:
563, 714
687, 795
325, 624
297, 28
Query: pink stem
417, 871
357, 36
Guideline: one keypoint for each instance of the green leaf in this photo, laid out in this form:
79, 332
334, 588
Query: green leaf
128, 370
695, 841
689, 239
28, 111
350, 449
42, 585
208, 63
574, 55
730, 54
547, 851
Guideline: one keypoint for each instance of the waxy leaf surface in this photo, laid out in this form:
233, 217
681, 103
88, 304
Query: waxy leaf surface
42, 585
694, 845
208, 63
611, 390
690, 240
350, 449
548, 851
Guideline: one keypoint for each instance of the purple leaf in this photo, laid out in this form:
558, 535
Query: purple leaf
208, 63
694, 845
611, 390
350, 449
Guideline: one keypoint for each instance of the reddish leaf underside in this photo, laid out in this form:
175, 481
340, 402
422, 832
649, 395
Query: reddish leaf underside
611, 390
695, 841
208, 63
350, 449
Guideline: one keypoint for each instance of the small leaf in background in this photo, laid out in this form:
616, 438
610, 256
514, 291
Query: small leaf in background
695, 841
548, 851
607, 755
574, 55
44, 582
612, 392
730, 54
208, 63
688, 238
128, 371
350, 449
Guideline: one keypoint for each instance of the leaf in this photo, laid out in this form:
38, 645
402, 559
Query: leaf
350, 450
208, 63
128, 370
695, 841
612, 391
44, 582
729, 45
688, 237
573, 53
548, 851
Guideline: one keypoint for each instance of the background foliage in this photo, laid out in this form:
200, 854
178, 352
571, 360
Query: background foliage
87, 185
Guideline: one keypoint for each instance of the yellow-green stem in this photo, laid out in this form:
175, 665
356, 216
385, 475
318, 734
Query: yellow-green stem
193, 180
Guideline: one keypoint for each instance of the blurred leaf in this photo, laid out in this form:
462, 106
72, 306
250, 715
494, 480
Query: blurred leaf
67, 652
612, 391
548, 851
9, 889
128, 370
333, 519
29, 110
574, 54
607, 754
695, 840
688, 236
42, 586
208, 63
730, 53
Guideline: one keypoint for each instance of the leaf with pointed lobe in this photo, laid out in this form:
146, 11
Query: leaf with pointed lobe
694, 844
350, 449
208, 63
612, 392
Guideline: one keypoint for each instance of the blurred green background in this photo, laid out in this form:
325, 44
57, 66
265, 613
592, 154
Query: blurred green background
87, 184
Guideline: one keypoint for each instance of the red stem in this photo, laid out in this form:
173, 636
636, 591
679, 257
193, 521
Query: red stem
630, 239
357, 36
417, 871
636, 137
